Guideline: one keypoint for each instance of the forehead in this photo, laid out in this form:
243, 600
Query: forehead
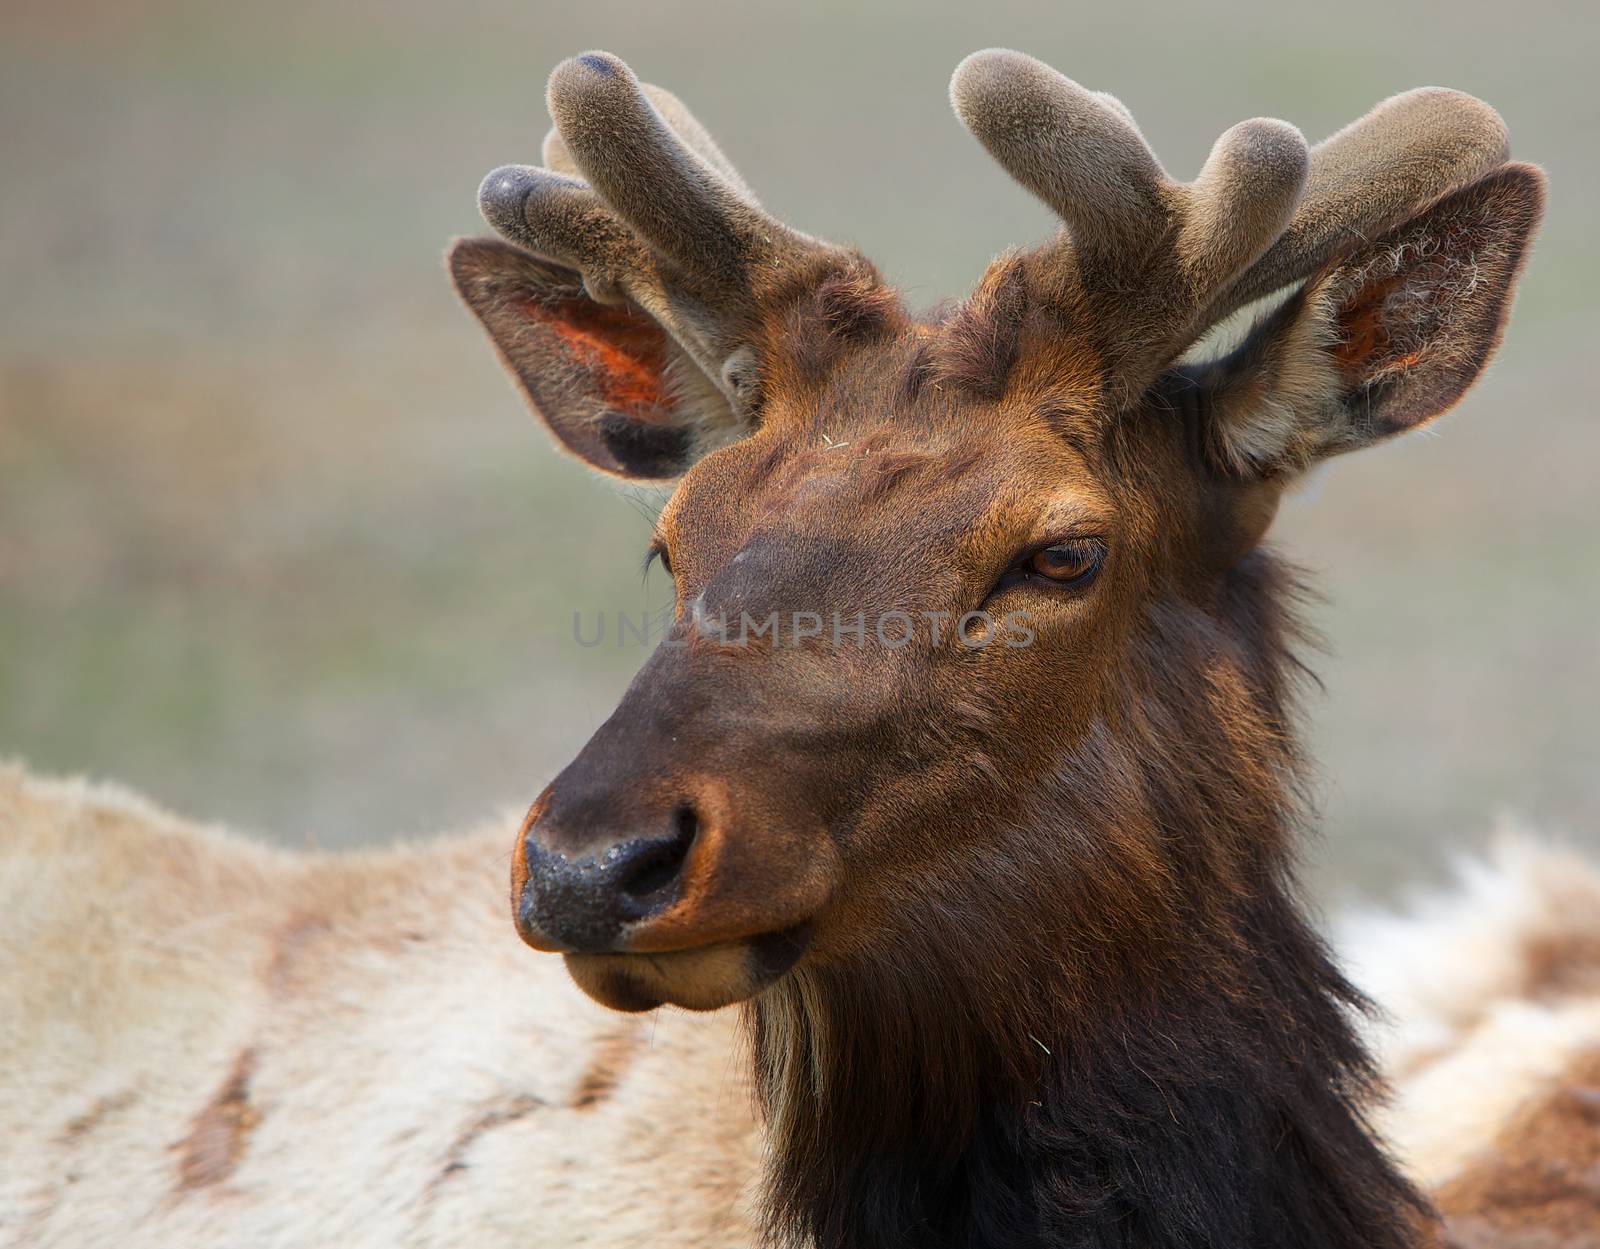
899, 435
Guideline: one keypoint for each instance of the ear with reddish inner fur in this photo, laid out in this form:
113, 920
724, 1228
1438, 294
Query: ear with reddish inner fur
1383, 340
606, 379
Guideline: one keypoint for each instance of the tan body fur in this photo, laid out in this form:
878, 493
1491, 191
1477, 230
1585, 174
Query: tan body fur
205, 1041
1492, 1044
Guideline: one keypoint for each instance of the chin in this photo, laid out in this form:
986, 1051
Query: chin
707, 978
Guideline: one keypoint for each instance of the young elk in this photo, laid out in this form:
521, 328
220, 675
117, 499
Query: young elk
969, 764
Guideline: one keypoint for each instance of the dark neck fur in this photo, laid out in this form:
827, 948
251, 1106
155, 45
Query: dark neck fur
1113, 1026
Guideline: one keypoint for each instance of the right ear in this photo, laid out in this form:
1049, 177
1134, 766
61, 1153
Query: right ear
612, 386
1385, 338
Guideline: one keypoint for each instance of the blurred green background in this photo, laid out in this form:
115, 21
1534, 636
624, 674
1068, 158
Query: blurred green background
279, 546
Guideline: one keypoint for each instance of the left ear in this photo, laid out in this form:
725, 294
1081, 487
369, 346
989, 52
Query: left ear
612, 386
1382, 340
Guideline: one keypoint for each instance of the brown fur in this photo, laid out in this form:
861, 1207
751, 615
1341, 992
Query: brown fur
978, 346
607, 1067
1538, 1184
221, 1132
848, 308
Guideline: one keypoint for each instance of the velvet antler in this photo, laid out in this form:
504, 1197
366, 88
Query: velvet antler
1149, 264
639, 200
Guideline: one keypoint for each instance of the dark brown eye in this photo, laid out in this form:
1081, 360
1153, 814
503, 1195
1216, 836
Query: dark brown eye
1068, 563
658, 555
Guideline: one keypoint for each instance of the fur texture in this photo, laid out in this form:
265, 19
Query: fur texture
207, 1042
1157, 1051
1492, 990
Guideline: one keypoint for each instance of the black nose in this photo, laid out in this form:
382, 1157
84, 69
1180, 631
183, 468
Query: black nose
584, 903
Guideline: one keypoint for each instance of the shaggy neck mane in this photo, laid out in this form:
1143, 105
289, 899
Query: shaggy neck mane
1116, 1028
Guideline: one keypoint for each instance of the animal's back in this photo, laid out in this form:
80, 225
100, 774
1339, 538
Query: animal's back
205, 1041
1492, 1044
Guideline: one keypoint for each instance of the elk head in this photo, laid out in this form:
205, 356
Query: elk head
933, 573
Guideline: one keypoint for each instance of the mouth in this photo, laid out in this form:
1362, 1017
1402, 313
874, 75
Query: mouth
704, 978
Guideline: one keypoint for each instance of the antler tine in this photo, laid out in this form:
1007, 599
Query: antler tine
553, 210
562, 218
1407, 152
1077, 150
1243, 198
1082, 154
682, 122
675, 199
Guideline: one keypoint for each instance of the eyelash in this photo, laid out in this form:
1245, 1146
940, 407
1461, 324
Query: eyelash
658, 554
1090, 552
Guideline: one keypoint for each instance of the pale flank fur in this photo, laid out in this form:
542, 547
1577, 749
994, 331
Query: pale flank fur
204, 1041
1492, 991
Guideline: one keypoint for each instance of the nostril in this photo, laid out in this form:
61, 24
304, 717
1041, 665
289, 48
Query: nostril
655, 866
652, 870
685, 824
